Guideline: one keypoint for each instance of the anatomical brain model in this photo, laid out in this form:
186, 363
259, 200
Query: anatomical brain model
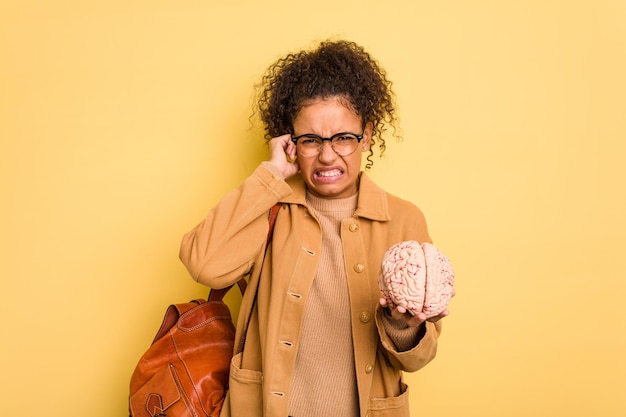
417, 277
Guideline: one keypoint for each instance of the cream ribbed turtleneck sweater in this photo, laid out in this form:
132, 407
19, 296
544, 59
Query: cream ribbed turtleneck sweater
324, 379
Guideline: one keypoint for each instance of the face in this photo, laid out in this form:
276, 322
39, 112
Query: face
329, 175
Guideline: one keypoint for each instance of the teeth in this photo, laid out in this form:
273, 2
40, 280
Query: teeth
332, 173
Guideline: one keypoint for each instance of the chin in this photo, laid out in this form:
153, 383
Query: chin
333, 193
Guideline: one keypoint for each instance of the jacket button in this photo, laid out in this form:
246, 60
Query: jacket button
354, 227
364, 317
369, 368
359, 267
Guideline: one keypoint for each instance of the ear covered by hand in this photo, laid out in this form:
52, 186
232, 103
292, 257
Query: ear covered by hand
283, 155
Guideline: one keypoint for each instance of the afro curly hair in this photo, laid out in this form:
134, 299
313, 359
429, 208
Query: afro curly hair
333, 69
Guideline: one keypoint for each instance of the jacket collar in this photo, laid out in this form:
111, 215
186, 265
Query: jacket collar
371, 203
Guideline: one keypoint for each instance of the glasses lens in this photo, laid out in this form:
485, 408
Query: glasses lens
344, 143
309, 145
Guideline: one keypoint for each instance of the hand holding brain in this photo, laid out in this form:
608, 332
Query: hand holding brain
417, 277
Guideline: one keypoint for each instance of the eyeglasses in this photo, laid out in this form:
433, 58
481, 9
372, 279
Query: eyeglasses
343, 143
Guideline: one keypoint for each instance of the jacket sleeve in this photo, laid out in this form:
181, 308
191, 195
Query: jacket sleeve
223, 247
399, 346
415, 358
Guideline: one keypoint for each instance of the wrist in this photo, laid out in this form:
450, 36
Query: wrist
273, 169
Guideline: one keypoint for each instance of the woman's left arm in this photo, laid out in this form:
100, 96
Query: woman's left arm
410, 342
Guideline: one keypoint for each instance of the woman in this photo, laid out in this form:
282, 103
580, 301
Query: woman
321, 341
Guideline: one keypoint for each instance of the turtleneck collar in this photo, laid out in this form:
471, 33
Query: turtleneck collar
371, 199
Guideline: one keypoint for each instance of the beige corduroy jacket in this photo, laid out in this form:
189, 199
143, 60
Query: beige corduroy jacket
229, 243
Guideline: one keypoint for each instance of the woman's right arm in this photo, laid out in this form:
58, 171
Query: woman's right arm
223, 247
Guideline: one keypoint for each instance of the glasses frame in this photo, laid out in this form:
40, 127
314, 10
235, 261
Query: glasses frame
330, 139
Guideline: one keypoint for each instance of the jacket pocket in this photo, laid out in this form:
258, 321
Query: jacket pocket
390, 406
245, 390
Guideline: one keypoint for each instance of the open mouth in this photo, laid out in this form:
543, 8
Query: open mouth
329, 174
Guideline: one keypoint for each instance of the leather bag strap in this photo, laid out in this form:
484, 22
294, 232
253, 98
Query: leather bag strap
218, 294
272, 219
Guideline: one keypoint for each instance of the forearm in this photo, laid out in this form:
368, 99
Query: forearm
403, 336
410, 358
222, 248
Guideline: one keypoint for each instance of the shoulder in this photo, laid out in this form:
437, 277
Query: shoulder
403, 210
400, 204
374, 194
403, 219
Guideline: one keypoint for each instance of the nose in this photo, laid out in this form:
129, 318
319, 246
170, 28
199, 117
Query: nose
327, 153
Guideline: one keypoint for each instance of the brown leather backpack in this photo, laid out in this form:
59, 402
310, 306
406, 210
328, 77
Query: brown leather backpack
184, 373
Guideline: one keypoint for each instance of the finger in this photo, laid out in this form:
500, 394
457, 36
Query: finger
285, 139
397, 315
421, 316
416, 320
280, 142
277, 146
441, 315
291, 151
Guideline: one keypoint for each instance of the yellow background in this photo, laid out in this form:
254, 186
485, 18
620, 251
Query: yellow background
122, 122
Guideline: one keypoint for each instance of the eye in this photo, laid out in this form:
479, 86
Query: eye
344, 137
309, 140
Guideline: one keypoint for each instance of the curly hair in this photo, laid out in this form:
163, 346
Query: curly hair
334, 69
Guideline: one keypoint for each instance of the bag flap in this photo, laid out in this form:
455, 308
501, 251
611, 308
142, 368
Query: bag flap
157, 395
